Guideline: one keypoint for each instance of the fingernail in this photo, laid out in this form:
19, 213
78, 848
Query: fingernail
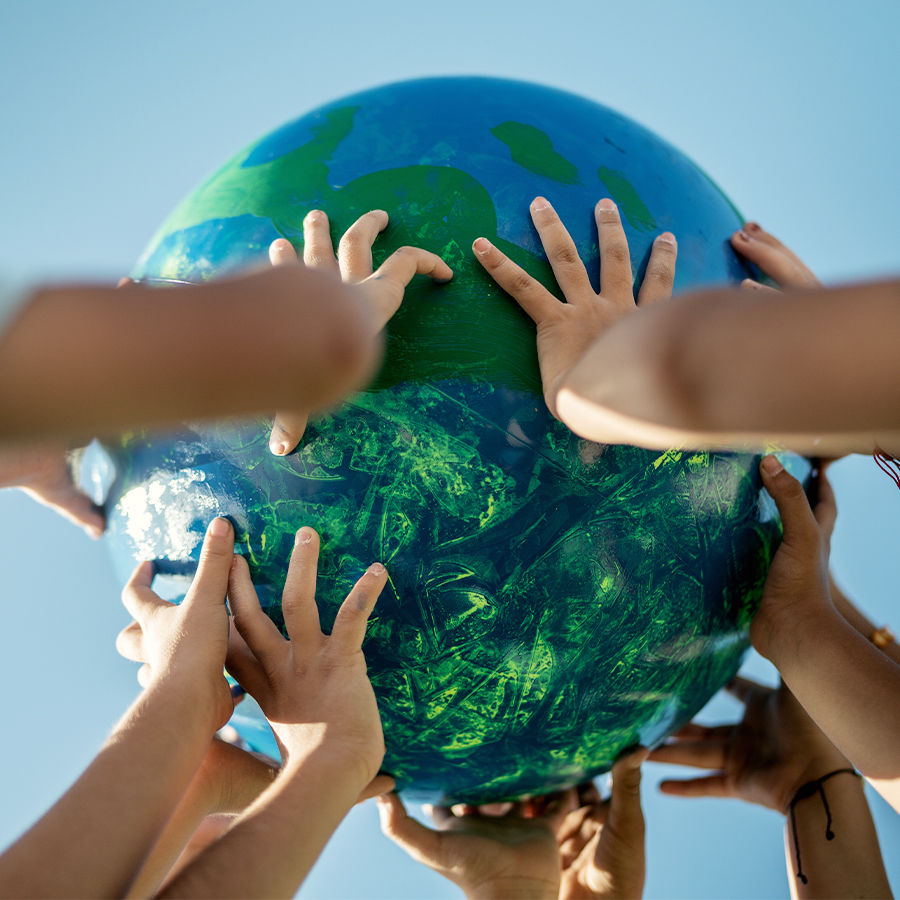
305, 535
771, 465
743, 235
667, 238
376, 569
279, 448
606, 203
481, 246
220, 527
540, 203
314, 215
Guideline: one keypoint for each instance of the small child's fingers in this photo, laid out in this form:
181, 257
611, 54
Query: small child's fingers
406, 262
626, 818
616, 280
287, 430
210, 584
282, 253
826, 509
137, 596
298, 600
776, 261
701, 754
790, 498
355, 247
660, 274
528, 292
561, 252
318, 251
708, 786
130, 642
379, 785
255, 627
353, 616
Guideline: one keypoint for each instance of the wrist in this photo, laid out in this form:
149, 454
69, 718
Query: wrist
778, 632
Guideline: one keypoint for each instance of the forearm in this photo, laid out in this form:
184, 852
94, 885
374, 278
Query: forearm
865, 626
849, 865
84, 360
122, 801
725, 369
847, 686
272, 847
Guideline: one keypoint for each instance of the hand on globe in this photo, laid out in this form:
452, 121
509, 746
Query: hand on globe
381, 291
313, 688
601, 843
566, 330
775, 260
486, 856
185, 645
763, 759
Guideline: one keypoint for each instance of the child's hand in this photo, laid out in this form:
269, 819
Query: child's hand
380, 291
762, 759
782, 265
185, 645
566, 330
42, 471
601, 843
487, 856
313, 688
797, 586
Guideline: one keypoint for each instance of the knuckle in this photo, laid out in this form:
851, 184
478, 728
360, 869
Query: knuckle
566, 254
615, 252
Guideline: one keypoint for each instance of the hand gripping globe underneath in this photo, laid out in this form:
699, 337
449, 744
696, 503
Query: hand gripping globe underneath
551, 601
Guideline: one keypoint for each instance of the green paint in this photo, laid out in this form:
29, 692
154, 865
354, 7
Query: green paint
626, 197
533, 150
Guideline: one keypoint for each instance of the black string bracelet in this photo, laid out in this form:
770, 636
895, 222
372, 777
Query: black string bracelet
805, 791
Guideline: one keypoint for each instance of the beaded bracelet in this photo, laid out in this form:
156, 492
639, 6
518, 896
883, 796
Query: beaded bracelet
881, 637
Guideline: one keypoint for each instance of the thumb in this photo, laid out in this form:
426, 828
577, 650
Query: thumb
423, 844
626, 818
790, 498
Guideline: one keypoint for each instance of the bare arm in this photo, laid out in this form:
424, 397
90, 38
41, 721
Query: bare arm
81, 360
859, 620
814, 370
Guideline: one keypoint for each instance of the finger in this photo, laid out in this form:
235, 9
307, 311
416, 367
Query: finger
137, 596
318, 251
561, 252
626, 818
775, 260
694, 731
380, 784
124, 281
73, 505
353, 616
660, 275
699, 754
615, 261
242, 664
210, 584
790, 498
254, 626
825, 512
355, 247
130, 642
493, 810
422, 843
529, 293
287, 430
282, 253
385, 286
748, 284
708, 786
298, 600
588, 793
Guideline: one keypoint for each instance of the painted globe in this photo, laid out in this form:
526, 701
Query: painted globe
551, 601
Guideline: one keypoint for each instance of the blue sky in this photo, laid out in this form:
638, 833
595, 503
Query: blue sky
111, 112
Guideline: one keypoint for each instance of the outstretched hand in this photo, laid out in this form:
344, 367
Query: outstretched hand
566, 330
601, 843
763, 759
381, 291
313, 688
486, 856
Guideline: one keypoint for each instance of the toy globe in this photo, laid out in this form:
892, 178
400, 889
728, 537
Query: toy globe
551, 601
